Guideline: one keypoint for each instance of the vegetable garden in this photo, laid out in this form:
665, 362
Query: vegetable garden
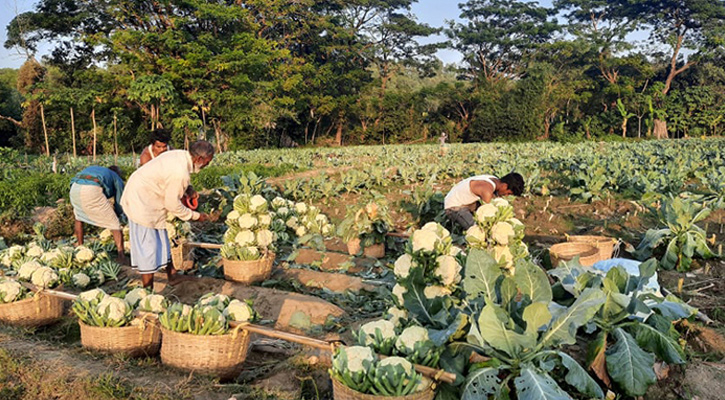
334, 273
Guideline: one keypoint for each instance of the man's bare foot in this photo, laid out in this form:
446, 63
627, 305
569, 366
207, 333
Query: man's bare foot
123, 260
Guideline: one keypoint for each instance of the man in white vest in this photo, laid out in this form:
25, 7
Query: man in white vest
463, 199
151, 193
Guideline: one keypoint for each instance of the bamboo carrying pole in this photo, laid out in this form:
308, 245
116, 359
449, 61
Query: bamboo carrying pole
436, 374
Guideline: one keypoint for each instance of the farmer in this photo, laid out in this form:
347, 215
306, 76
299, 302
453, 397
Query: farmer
463, 199
90, 194
159, 143
151, 193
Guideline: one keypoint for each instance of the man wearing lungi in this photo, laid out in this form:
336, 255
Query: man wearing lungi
90, 194
151, 193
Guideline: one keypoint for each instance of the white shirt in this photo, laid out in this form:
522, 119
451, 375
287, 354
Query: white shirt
156, 189
461, 194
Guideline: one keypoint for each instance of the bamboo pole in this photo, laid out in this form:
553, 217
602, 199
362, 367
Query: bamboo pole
436, 374
212, 246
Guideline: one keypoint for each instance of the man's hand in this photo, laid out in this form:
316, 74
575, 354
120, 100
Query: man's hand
203, 217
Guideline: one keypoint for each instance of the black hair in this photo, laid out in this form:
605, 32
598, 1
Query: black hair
160, 135
515, 183
116, 169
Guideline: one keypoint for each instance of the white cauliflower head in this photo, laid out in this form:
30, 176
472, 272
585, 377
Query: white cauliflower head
403, 265
486, 211
34, 251
244, 238
395, 314
301, 231
265, 220
424, 240
398, 292
502, 254
233, 215
475, 235
501, 232
301, 208
9, 291
500, 202
153, 303
257, 203
431, 292
26, 270
44, 277
410, 336
356, 355
448, 270
81, 280
387, 330
84, 254
134, 296
407, 366
439, 230
91, 295
265, 238
238, 311
115, 307
247, 221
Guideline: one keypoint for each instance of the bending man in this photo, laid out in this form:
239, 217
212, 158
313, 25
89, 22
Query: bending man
151, 193
90, 194
463, 199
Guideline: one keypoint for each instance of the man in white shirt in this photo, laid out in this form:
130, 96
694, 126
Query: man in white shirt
463, 199
151, 193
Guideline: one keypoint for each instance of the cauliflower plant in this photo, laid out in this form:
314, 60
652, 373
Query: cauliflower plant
486, 211
424, 240
395, 315
398, 292
500, 202
134, 296
112, 309
301, 208
34, 251
407, 366
244, 238
247, 221
265, 238
431, 292
91, 295
502, 232
356, 356
257, 203
219, 301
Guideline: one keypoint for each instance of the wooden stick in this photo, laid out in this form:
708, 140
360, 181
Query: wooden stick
398, 234
432, 373
212, 246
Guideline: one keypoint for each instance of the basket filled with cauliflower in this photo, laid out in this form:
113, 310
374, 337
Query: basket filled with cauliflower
108, 323
248, 250
199, 338
22, 307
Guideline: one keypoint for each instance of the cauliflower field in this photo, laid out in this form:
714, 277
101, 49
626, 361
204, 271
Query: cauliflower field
485, 305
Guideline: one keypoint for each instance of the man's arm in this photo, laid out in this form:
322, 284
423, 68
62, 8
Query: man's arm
482, 189
172, 200
145, 156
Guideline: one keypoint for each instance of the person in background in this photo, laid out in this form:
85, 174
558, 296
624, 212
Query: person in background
91, 192
463, 199
151, 193
159, 144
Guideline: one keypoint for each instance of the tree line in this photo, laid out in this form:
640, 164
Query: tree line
267, 73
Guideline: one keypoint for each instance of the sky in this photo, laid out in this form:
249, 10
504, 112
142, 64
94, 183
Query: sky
435, 13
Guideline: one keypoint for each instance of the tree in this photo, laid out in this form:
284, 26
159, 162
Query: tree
499, 36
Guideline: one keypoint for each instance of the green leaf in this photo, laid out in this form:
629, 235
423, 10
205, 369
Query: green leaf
531, 385
481, 274
616, 280
673, 308
536, 315
481, 383
532, 282
492, 325
648, 268
669, 261
579, 378
629, 365
563, 328
659, 343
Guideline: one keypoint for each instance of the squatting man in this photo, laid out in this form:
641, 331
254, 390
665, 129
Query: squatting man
464, 198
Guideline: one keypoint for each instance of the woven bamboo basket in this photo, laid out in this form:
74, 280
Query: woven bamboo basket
603, 243
39, 310
342, 392
375, 251
249, 272
587, 253
218, 355
134, 341
182, 256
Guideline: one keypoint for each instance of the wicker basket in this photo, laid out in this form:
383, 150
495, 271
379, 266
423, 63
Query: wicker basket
182, 257
220, 355
603, 243
375, 251
342, 392
249, 272
134, 341
39, 310
587, 253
